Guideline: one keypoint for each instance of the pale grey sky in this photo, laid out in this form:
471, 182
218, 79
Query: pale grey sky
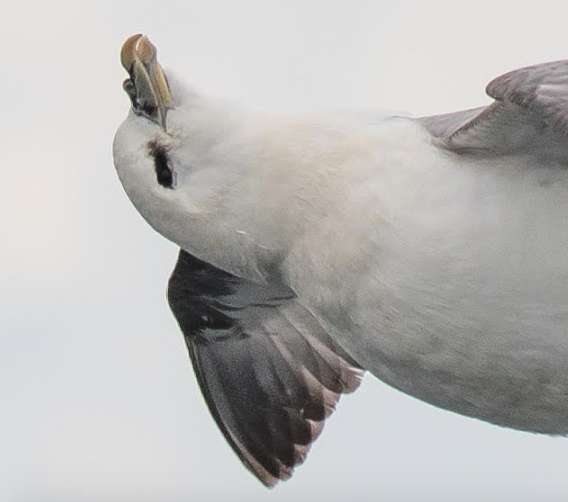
98, 399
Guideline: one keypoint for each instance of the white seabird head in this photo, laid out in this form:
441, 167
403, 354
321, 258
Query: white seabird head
177, 156
142, 142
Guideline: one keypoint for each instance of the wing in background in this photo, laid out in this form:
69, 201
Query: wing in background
529, 116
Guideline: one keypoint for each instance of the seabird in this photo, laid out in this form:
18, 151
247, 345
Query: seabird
431, 252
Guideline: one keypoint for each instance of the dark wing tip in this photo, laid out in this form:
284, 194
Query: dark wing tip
269, 373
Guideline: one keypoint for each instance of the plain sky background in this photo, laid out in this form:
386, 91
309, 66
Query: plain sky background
98, 402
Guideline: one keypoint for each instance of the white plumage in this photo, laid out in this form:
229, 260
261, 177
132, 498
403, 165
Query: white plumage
434, 252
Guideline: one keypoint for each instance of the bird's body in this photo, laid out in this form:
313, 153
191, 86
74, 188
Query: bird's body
435, 259
446, 277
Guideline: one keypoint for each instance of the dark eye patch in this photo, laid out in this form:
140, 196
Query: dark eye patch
164, 174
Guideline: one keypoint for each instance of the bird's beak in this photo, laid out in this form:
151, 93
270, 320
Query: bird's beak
147, 86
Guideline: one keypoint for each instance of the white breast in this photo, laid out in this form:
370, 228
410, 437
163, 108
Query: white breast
447, 276
442, 274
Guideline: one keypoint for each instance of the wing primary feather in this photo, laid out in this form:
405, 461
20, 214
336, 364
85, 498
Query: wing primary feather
268, 371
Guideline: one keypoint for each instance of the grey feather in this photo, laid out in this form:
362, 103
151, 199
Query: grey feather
529, 116
269, 372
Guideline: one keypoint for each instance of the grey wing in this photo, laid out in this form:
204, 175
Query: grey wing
529, 115
268, 371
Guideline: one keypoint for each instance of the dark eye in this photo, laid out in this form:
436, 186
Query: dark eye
164, 174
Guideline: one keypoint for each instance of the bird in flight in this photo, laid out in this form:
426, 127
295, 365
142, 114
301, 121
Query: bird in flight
431, 252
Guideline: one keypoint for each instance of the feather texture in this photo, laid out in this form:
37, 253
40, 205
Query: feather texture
530, 114
268, 371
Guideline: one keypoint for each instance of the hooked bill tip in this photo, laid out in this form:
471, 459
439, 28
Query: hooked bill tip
137, 47
145, 50
128, 51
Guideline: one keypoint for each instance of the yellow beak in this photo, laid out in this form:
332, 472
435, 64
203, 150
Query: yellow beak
139, 58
